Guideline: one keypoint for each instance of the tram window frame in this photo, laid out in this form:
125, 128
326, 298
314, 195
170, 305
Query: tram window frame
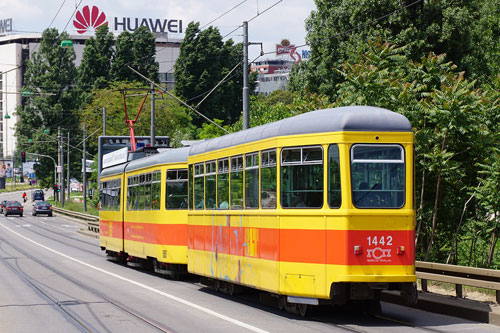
175, 183
223, 183
156, 190
334, 201
236, 182
377, 195
199, 186
302, 169
211, 184
252, 181
190, 187
140, 193
148, 180
268, 178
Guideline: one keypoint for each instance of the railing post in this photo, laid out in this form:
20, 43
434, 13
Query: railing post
458, 291
424, 285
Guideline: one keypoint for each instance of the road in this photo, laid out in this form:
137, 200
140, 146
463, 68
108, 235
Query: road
53, 279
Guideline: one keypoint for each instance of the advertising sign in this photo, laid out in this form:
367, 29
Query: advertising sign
89, 19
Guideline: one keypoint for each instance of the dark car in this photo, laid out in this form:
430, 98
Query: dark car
37, 195
42, 207
13, 208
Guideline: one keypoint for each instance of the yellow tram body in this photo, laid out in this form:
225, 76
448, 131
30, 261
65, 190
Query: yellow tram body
304, 252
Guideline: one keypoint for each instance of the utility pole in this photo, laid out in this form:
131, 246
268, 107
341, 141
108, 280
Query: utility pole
84, 164
58, 159
103, 120
68, 178
152, 114
61, 153
246, 104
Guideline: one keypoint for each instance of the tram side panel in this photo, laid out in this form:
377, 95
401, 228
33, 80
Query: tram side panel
151, 230
111, 214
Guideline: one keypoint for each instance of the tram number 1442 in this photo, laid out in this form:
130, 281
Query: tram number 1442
379, 241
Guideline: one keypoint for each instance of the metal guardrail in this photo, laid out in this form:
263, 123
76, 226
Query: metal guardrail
92, 221
459, 276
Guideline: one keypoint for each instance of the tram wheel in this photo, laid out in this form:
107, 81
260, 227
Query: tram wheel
230, 289
304, 309
281, 302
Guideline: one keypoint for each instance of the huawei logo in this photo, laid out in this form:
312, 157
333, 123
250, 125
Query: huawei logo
87, 20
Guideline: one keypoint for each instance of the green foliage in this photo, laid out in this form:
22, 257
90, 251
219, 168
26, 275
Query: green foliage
94, 70
204, 60
137, 50
170, 118
51, 74
465, 31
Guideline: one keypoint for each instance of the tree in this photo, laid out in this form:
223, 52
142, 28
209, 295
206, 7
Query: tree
94, 70
51, 100
138, 51
170, 118
338, 32
204, 60
124, 55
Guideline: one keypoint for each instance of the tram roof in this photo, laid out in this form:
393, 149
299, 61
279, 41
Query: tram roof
178, 155
170, 156
348, 118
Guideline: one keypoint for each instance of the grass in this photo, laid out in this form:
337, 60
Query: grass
16, 187
75, 206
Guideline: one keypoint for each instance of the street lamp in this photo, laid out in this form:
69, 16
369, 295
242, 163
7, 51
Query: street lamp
66, 44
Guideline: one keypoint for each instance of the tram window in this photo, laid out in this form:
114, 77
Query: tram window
199, 195
177, 189
268, 179
210, 185
147, 191
156, 190
140, 194
190, 187
223, 183
252, 180
302, 177
378, 176
237, 182
109, 194
334, 193
135, 193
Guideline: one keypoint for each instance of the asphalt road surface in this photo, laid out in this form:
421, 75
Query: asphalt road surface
53, 279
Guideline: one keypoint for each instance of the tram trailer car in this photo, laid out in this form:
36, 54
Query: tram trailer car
314, 209
143, 216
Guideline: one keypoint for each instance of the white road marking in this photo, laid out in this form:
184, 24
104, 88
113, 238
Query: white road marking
141, 285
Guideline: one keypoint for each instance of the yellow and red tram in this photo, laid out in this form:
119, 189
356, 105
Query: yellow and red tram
314, 208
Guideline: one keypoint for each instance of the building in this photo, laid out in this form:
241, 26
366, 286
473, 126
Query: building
273, 75
15, 49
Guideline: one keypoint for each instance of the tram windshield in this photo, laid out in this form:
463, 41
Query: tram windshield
378, 176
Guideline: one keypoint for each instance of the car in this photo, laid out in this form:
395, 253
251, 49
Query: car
13, 208
37, 195
42, 207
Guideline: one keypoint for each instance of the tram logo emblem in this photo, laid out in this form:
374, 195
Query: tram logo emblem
89, 20
378, 253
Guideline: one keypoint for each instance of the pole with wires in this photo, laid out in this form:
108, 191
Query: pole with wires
152, 114
68, 178
246, 104
84, 167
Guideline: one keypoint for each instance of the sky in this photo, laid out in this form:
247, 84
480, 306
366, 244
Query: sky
285, 20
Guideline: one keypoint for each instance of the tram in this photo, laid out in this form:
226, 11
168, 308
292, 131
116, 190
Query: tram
314, 209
